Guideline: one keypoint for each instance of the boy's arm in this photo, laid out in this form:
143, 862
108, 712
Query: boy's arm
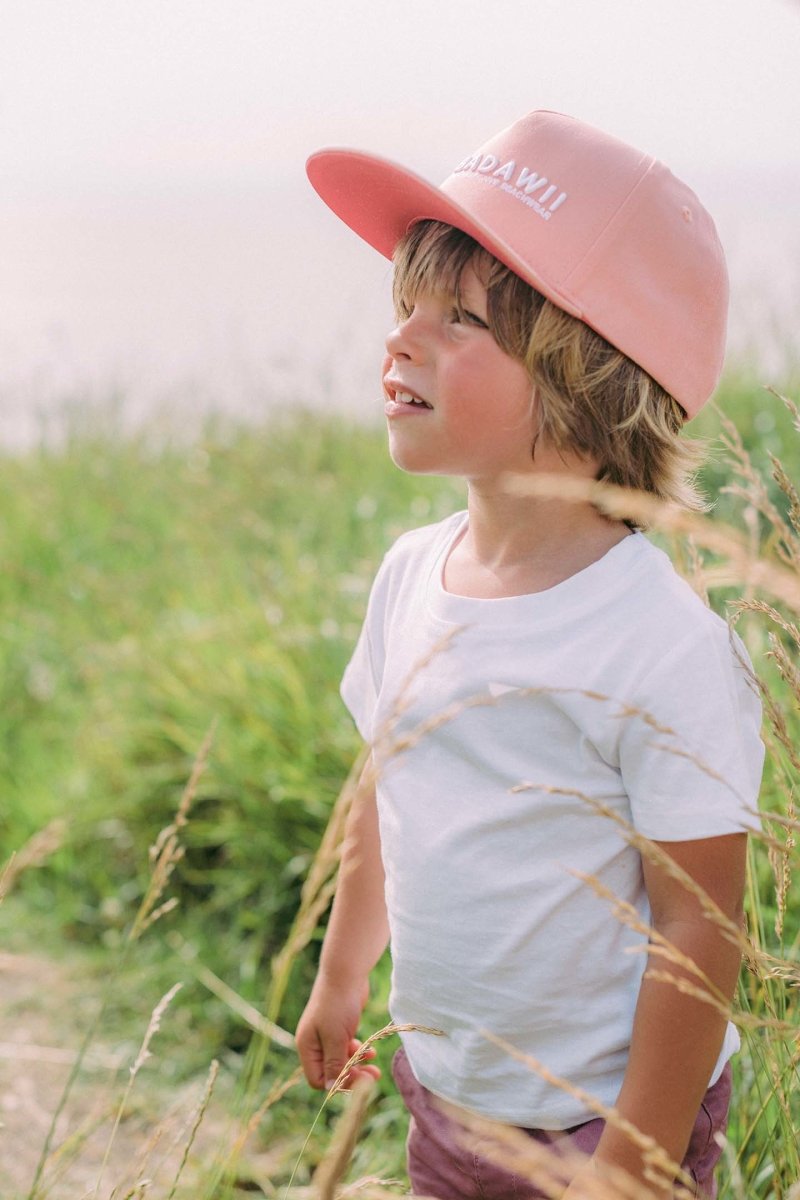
357, 935
677, 1038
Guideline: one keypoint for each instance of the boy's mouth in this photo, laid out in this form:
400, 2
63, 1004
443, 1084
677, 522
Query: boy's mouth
407, 398
399, 395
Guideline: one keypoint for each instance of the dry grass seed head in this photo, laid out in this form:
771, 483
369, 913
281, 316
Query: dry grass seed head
63, 1155
790, 491
782, 867
166, 851
549, 1167
787, 669
199, 1113
752, 489
653, 1155
777, 579
33, 853
739, 607
384, 738
153, 1027
694, 569
791, 407
360, 1054
317, 892
275, 1094
779, 726
144, 1053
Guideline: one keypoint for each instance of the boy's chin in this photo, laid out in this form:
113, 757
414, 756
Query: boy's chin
413, 462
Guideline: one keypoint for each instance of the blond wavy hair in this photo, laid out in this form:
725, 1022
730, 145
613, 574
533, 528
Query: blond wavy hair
591, 398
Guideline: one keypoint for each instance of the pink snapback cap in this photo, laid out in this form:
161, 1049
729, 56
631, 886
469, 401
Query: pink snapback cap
604, 231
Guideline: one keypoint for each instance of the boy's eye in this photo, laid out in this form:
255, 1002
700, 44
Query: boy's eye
464, 316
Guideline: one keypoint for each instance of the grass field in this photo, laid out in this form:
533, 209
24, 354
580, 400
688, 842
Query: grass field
158, 596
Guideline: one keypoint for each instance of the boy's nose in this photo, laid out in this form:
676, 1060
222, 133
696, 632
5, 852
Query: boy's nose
405, 340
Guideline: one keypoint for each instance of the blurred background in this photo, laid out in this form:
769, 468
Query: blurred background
161, 250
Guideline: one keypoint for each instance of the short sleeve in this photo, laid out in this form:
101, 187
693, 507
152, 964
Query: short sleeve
363, 675
691, 754
360, 684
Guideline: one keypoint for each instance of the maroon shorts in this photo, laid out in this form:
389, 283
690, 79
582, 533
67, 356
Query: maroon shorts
439, 1166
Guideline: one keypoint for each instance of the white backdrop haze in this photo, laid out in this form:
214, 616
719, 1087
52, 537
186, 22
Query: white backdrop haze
159, 242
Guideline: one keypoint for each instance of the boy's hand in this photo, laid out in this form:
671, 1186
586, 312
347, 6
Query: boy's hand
327, 1035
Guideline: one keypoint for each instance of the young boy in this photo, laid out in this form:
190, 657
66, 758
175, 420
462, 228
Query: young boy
534, 678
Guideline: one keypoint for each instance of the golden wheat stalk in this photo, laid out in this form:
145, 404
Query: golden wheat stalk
753, 491
401, 701
782, 867
200, 1112
246, 1130
141, 1058
360, 1054
318, 887
63, 1156
773, 577
549, 1166
761, 608
33, 853
340, 1150
224, 992
167, 851
649, 849
654, 1156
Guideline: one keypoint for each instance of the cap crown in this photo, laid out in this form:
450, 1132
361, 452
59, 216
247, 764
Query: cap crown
604, 231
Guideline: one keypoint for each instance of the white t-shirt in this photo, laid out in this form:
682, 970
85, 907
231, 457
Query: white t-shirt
617, 685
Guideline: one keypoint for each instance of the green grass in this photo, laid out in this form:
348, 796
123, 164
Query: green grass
150, 591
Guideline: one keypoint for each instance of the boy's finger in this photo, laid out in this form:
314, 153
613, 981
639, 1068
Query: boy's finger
311, 1060
365, 1054
356, 1073
333, 1069
334, 1066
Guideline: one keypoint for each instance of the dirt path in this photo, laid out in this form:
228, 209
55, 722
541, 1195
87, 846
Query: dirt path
44, 1011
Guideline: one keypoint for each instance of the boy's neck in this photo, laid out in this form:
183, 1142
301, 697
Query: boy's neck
516, 545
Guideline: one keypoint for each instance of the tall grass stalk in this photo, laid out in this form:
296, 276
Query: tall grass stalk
315, 898
167, 851
37, 850
200, 1112
337, 1158
248, 1013
164, 854
141, 1058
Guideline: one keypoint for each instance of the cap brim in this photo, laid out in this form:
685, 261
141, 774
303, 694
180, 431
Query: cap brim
379, 200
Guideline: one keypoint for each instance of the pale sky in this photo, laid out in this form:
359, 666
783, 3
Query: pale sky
178, 90
155, 222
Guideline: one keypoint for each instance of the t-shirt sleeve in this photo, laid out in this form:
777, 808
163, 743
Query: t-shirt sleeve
691, 754
406, 562
360, 684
